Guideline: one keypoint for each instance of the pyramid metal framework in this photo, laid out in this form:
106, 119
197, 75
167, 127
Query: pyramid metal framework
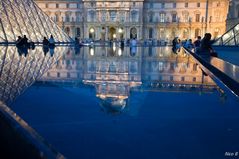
24, 17
230, 38
18, 72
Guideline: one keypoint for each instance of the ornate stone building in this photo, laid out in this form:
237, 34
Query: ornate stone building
142, 19
233, 14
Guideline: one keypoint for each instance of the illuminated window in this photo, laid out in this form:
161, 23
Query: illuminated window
162, 17
197, 32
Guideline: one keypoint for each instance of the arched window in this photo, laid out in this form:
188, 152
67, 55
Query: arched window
185, 16
185, 33
92, 33
133, 33
197, 32
216, 32
57, 18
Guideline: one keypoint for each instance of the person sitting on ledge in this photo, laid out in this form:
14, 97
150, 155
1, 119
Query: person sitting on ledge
206, 49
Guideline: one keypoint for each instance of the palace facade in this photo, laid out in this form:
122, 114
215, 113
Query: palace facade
233, 14
141, 19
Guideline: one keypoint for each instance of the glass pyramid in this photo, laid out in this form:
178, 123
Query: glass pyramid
230, 38
24, 17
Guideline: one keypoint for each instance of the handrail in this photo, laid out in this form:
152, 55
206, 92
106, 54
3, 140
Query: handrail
219, 75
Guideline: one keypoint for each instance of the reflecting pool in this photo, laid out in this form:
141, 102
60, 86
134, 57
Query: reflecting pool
101, 102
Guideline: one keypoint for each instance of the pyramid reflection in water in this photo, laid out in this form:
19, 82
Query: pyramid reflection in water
24, 17
19, 71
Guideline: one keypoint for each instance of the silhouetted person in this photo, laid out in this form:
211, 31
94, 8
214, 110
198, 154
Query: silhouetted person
111, 43
189, 45
206, 46
197, 43
45, 42
174, 42
45, 49
122, 44
51, 41
51, 49
77, 42
77, 50
176, 45
25, 41
19, 42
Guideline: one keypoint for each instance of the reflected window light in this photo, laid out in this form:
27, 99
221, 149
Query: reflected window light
160, 64
120, 30
92, 52
119, 52
114, 46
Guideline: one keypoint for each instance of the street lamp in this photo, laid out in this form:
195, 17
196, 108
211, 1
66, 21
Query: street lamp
120, 30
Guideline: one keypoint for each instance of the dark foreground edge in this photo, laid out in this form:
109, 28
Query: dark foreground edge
19, 140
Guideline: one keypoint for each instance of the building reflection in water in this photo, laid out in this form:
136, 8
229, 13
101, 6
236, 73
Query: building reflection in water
114, 72
19, 70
